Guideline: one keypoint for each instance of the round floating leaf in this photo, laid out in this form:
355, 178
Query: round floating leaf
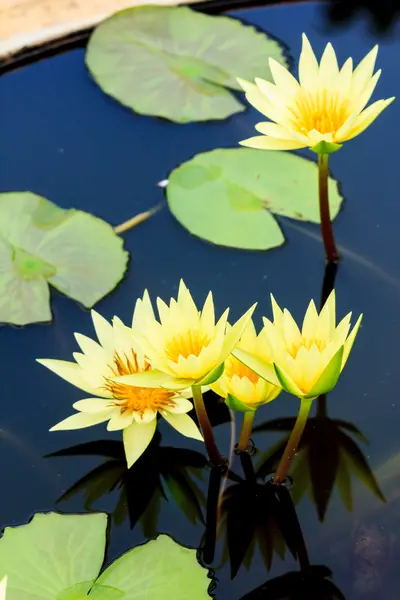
158, 570
40, 243
176, 63
51, 554
228, 196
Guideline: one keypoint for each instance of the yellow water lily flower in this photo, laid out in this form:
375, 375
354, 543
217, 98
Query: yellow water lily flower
243, 389
306, 363
131, 409
327, 104
3, 588
186, 347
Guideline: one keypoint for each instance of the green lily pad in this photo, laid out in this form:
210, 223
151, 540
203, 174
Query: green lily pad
42, 244
158, 570
176, 63
51, 554
228, 197
59, 557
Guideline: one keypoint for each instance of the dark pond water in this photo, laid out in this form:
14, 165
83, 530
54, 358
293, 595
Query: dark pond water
61, 137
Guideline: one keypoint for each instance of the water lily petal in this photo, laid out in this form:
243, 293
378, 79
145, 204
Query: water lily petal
263, 142
136, 438
104, 330
328, 67
92, 405
184, 424
308, 66
363, 72
120, 420
72, 373
368, 116
284, 80
350, 340
81, 420
235, 333
181, 406
143, 309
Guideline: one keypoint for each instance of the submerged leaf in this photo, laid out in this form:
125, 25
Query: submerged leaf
41, 244
158, 570
51, 554
228, 197
177, 63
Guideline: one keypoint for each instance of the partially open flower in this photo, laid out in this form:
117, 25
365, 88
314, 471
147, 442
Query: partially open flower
326, 105
186, 347
3, 588
131, 409
242, 388
306, 363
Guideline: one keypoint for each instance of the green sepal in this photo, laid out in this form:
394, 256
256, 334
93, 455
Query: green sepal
261, 368
235, 404
329, 377
212, 376
324, 147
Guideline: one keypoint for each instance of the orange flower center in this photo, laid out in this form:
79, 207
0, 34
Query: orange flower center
130, 398
190, 343
323, 111
233, 366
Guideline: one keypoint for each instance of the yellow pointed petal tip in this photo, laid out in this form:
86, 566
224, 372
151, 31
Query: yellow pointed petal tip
309, 108
246, 86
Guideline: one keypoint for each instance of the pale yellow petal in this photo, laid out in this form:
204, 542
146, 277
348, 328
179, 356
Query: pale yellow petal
310, 322
364, 70
120, 420
280, 132
343, 131
91, 348
72, 373
327, 318
235, 333
92, 405
328, 68
344, 79
145, 416
104, 330
273, 94
181, 406
359, 101
257, 99
262, 142
290, 329
284, 80
136, 439
350, 341
81, 420
308, 66
247, 86
143, 309
187, 303
184, 425
367, 117
207, 319
277, 312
